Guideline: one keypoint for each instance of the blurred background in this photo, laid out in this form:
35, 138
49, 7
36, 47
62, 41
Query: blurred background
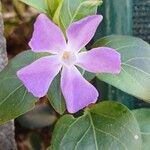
18, 19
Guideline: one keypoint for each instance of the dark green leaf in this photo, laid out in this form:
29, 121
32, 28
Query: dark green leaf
143, 118
73, 10
15, 100
135, 75
55, 96
105, 126
87, 75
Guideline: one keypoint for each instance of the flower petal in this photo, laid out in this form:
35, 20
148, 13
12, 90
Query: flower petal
102, 59
81, 32
77, 92
38, 76
47, 37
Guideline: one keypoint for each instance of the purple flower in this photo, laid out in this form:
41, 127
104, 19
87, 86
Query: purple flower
47, 37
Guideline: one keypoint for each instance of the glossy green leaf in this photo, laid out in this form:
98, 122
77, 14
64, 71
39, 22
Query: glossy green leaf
143, 118
15, 100
38, 4
105, 126
50, 7
135, 74
55, 96
73, 10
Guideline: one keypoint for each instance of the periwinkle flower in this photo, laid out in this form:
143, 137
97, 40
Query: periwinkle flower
66, 55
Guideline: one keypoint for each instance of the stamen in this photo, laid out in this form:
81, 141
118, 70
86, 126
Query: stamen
66, 55
68, 58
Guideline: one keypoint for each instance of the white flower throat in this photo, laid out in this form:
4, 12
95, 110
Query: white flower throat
68, 58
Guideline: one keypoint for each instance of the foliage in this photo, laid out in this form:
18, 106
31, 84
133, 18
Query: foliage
103, 126
106, 125
135, 75
143, 117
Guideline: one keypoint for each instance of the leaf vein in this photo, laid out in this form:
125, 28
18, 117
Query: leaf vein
116, 121
124, 146
11, 94
94, 134
82, 137
137, 69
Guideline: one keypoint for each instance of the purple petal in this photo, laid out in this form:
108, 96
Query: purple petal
38, 76
81, 32
102, 59
47, 37
77, 92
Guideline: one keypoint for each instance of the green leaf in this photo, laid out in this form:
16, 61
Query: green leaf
15, 100
38, 4
56, 14
50, 7
135, 74
87, 75
105, 126
143, 118
53, 5
64, 12
73, 10
55, 96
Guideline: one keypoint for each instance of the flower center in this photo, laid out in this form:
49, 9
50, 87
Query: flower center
68, 58
66, 55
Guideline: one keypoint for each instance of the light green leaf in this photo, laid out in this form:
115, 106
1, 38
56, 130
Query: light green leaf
143, 118
105, 126
15, 100
53, 5
50, 7
64, 12
73, 10
135, 75
38, 4
56, 14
